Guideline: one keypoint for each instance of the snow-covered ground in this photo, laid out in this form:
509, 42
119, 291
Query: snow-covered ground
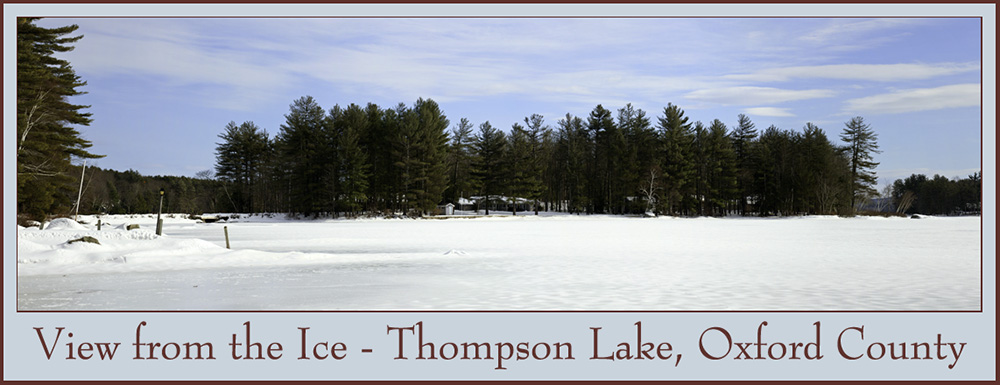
561, 262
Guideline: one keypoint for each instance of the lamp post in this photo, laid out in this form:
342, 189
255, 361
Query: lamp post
159, 222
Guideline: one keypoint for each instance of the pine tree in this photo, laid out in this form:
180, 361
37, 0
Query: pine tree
538, 136
349, 126
432, 178
677, 137
639, 155
605, 192
489, 168
862, 142
305, 157
384, 180
404, 137
776, 172
824, 175
46, 137
721, 168
743, 137
574, 149
240, 160
460, 157
523, 173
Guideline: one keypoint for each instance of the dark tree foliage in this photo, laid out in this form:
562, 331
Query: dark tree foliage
743, 138
460, 157
862, 142
715, 180
824, 173
240, 161
639, 157
539, 136
303, 146
350, 168
401, 161
522, 176
490, 145
384, 181
605, 168
128, 192
776, 171
939, 195
677, 138
432, 145
574, 149
46, 120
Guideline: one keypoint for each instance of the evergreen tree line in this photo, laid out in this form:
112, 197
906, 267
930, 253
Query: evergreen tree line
349, 160
370, 160
938, 195
128, 192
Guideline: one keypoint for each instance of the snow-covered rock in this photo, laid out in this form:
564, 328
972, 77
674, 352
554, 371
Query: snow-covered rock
64, 224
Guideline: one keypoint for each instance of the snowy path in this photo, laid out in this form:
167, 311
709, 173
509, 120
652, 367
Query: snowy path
525, 263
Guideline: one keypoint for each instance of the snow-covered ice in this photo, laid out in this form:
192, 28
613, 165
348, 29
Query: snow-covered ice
561, 262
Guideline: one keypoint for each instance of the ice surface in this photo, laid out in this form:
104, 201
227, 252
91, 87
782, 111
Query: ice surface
563, 262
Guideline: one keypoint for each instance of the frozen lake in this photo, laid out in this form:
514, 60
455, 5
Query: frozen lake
508, 263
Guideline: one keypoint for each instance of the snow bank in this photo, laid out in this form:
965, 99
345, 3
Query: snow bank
64, 224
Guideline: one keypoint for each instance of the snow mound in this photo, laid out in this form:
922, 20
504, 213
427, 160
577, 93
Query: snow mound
63, 236
64, 224
26, 246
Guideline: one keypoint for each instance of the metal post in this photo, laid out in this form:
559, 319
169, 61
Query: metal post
226, 230
159, 222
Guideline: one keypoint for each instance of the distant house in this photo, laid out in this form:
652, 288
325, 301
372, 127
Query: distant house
465, 204
502, 203
449, 209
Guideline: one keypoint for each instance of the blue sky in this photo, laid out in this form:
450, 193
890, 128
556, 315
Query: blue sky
163, 89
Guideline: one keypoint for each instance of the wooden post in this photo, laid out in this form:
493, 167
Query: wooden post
226, 230
79, 194
98, 225
159, 221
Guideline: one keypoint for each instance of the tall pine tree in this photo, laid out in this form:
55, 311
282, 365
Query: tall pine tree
46, 137
240, 160
538, 137
303, 147
460, 156
432, 178
743, 138
862, 142
677, 136
490, 144
349, 125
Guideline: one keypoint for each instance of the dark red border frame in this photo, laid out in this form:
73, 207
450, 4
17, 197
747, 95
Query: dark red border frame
982, 157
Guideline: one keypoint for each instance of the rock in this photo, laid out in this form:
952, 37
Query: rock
131, 227
85, 239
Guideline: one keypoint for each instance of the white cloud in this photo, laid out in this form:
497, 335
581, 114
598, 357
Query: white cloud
871, 72
850, 29
755, 95
768, 111
917, 99
242, 61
